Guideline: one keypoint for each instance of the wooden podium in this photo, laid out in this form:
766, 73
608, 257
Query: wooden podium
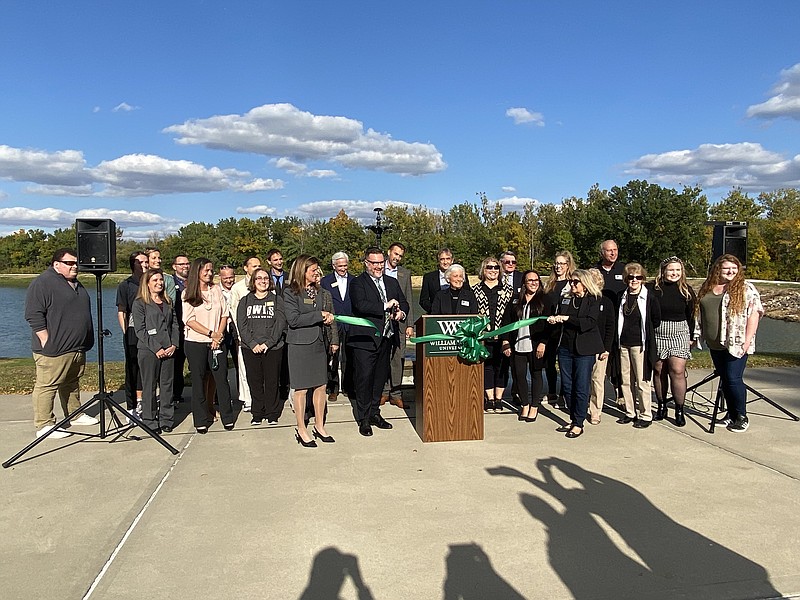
449, 391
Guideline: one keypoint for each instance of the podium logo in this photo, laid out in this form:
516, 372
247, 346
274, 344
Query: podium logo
449, 327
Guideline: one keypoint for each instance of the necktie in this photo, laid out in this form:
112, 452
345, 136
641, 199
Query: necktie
387, 321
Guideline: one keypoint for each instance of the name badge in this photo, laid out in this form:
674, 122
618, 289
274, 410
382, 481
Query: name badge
618, 277
308, 301
565, 301
270, 303
152, 331
465, 303
335, 284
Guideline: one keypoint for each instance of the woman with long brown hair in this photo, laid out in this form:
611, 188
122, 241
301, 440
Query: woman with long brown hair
205, 317
157, 337
729, 309
556, 288
309, 314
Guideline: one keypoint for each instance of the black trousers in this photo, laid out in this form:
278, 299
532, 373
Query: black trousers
157, 410
263, 376
521, 363
371, 371
199, 356
133, 379
343, 358
178, 360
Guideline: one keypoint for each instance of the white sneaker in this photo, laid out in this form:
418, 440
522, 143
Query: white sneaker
56, 435
85, 419
139, 408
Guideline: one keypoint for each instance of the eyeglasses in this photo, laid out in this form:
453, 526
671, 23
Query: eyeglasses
261, 279
559, 264
574, 281
374, 263
69, 263
186, 264
492, 267
509, 262
635, 277
532, 280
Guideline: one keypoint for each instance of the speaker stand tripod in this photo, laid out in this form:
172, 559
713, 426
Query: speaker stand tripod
719, 400
102, 399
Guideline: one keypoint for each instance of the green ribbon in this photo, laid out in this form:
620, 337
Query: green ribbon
358, 321
470, 334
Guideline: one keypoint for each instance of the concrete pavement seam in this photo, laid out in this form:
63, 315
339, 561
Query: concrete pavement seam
135, 521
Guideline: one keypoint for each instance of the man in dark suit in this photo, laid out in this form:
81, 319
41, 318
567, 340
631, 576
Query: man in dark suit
391, 391
510, 275
434, 282
338, 284
380, 300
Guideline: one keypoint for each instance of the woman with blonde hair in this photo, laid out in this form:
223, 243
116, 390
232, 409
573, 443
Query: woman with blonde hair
157, 337
493, 297
309, 314
606, 324
729, 309
637, 318
674, 336
579, 343
557, 286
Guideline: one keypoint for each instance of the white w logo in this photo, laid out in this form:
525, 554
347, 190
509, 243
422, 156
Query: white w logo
449, 327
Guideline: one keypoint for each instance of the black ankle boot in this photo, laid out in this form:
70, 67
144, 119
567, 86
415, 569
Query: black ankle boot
680, 420
661, 411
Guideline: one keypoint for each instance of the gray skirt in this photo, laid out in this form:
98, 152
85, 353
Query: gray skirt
672, 339
308, 365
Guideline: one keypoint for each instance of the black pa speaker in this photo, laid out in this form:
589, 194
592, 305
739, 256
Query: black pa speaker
730, 237
97, 245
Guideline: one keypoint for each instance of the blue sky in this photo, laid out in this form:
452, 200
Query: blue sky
156, 114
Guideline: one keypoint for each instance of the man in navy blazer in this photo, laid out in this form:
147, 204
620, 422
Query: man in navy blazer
338, 284
380, 300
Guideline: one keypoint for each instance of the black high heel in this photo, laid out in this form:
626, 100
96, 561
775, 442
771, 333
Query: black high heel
328, 439
302, 442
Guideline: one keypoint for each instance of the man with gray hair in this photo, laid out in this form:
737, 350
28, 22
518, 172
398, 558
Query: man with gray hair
509, 274
612, 269
338, 284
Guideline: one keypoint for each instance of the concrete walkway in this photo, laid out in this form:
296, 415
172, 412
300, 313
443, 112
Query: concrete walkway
660, 513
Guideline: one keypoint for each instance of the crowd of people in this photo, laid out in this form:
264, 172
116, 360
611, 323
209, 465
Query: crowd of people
280, 330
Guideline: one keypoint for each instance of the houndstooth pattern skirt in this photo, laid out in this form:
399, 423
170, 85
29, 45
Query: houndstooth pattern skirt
672, 339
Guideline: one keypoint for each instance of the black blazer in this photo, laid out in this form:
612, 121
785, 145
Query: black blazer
587, 335
367, 303
430, 287
516, 282
155, 329
466, 304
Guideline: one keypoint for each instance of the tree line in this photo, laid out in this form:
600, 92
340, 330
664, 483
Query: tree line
649, 222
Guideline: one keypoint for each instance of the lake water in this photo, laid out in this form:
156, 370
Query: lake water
15, 334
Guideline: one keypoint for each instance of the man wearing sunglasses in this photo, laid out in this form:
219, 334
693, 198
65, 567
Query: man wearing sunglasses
510, 275
58, 309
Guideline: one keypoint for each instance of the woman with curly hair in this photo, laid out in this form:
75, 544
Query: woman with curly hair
729, 309
674, 336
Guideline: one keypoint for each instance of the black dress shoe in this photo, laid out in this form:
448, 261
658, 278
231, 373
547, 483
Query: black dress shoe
641, 424
166, 429
380, 422
365, 428
625, 420
573, 434
328, 439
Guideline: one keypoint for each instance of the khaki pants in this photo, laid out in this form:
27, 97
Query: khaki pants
56, 374
598, 394
635, 390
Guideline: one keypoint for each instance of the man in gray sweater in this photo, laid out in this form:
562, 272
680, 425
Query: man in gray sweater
58, 310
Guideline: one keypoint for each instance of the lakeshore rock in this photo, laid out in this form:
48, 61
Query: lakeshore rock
782, 304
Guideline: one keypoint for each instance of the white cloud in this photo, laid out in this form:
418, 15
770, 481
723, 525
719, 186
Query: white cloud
96, 109
321, 173
515, 203
523, 115
124, 107
785, 101
283, 130
56, 217
747, 165
260, 209
65, 173
289, 165
361, 210
508, 189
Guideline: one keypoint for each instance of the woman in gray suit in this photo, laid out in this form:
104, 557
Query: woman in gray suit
309, 314
157, 336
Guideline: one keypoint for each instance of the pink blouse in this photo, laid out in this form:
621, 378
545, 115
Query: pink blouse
208, 314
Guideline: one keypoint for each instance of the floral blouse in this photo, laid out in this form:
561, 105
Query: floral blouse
732, 334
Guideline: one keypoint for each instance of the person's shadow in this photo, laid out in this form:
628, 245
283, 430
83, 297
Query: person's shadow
470, 576
328, 573
663, 558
